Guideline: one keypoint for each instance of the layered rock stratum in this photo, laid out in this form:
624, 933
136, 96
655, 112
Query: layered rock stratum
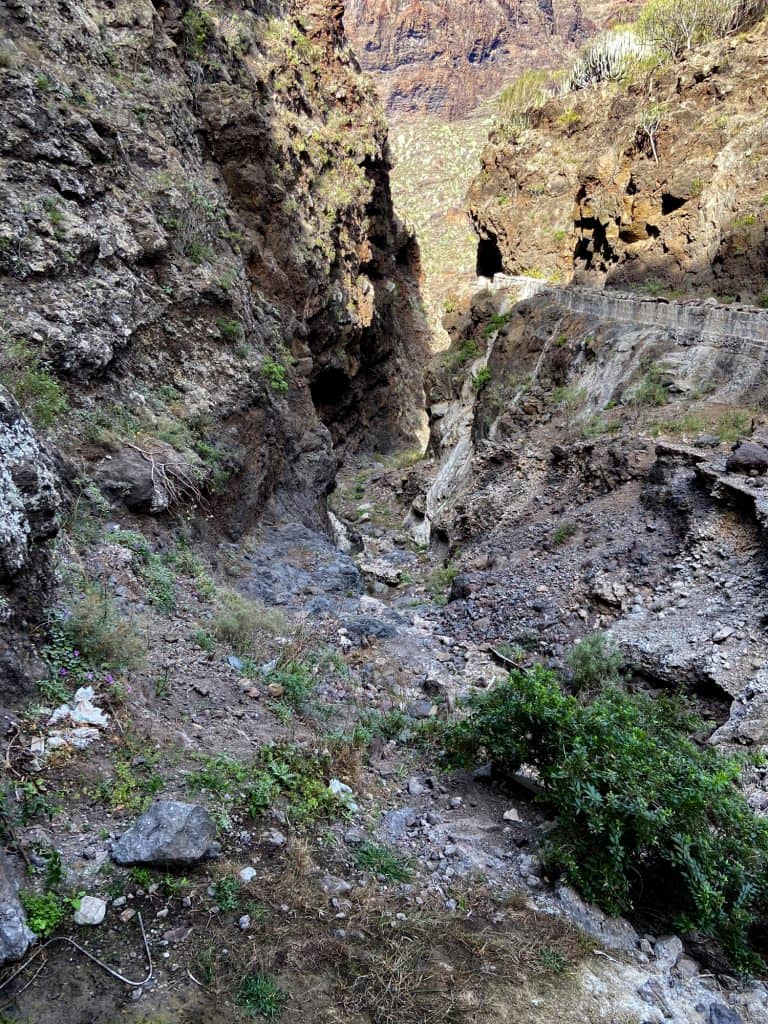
444, 56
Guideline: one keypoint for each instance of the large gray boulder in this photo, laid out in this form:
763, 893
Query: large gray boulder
15, 936
169, 834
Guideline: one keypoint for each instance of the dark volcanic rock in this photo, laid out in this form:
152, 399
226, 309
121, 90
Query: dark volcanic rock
748, 457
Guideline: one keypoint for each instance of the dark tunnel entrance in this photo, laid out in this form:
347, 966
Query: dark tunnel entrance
489, 257
330, 393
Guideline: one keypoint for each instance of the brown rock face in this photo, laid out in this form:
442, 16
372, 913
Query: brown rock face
587, 193
444, 56
197, 241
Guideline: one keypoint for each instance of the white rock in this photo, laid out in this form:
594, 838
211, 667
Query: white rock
511, 815
248, 874
91, 910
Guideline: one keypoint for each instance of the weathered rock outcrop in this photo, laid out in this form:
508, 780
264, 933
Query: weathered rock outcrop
15, 936
445, 56
197, 238
583, 194
29, 503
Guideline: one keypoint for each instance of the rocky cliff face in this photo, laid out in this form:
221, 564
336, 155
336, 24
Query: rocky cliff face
198, 252
657, 184
446, 55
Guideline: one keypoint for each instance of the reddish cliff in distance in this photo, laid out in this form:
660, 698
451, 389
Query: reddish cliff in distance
446, 56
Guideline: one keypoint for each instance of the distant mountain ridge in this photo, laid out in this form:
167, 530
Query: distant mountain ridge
446, 56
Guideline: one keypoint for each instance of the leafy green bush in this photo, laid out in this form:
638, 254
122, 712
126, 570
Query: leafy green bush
594, 663
641, 813
226, 891
296, 680
481, 379
238, 620
198, 29
45, 911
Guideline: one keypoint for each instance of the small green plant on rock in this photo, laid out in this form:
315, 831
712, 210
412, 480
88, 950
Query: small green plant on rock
562, 533
230, 330
552, 960
198, 30
651, 390
481, 379
276, 376
463, 354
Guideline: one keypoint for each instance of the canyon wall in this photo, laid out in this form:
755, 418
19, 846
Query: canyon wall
446, 56
198, 253
657, 182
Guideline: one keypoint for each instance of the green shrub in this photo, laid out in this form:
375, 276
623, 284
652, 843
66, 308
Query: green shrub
300, 777
131, 788
643, 815
466, 351
672, 27
563, 533
230, 330
481, 379
734, 424
238, 620
296, 680
102, 634
276, 375
594, 663
198, 29
651, 390
28, 379
219, 775
226, 892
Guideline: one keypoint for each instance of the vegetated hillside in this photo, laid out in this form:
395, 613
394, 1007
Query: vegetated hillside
444, 56
657, 180
434, 162
199, 254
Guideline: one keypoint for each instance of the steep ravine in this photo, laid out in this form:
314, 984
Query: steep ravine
231, 543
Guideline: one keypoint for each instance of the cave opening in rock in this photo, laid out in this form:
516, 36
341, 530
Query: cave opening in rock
489, 260
670, 203
330, 392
